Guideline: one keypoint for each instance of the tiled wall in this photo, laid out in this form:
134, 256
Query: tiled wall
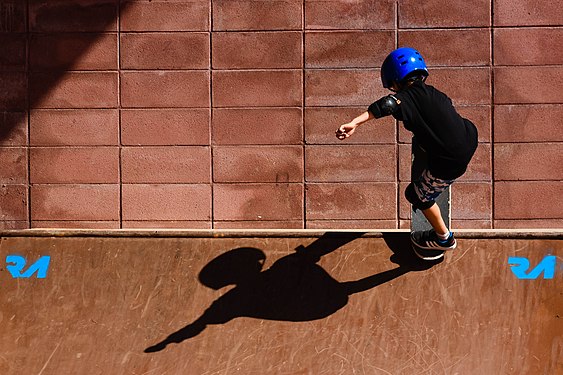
221, 114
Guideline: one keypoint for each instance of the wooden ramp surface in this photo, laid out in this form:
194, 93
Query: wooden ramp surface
338, 303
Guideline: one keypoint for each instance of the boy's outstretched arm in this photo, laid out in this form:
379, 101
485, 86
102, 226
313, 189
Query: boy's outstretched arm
385, 106
346, 130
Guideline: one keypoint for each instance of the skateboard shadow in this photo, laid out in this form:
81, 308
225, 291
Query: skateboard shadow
295, 288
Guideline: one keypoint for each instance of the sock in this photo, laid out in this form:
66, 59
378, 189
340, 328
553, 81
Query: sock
443, 237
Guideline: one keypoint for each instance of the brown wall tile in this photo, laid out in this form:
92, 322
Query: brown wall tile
268, 50
450, 47
524, 85
526, 13
350, 163
528, 46
14, 225
439, 13
180, 127
279, 164
165, 51
73, 90
13, 15
73, 51
342, 87
14, 88
528, 123
13, 165
342, 201
471, 201
278, 126
13, 128
190, 15
343, 14
471, 224
352, 224
257, 202
286, 224
321, 124
405, 136
454, 83
13, 201
186, 164
166, 202
347, 49
13, 52
529, 224
528, 200
404, 224
75, 224
75, 202
480, 167
96, 165
480, 116
165, 89
257, 15
167, 224
90, 16
75, 127
257, 88
529, 161
405, 160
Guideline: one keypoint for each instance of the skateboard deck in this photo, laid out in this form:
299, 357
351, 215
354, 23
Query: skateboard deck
418, 221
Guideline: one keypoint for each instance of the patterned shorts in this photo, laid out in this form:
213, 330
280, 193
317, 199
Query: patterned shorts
423, 193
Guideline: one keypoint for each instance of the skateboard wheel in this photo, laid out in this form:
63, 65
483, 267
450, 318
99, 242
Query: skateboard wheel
428, 254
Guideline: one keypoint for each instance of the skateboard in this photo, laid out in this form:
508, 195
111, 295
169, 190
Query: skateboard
418, 221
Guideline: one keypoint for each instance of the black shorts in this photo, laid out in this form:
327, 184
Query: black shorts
422, 193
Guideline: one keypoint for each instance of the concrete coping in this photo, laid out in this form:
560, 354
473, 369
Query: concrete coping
275, 233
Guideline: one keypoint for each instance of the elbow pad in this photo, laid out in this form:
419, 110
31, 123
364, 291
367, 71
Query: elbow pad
385, 106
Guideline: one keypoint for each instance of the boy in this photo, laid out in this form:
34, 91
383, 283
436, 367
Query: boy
448, 139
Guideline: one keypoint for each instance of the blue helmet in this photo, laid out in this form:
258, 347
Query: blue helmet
399, 64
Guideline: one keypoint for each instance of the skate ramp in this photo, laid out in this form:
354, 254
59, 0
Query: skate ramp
163, 302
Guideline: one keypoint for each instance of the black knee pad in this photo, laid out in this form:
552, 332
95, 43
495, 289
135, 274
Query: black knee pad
417, 204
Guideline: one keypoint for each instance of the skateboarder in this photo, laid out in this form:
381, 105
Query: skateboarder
448, 139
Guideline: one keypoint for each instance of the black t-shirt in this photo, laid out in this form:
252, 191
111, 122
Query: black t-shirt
449, 139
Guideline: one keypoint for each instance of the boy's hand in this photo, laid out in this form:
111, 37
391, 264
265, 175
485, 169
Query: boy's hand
345, 131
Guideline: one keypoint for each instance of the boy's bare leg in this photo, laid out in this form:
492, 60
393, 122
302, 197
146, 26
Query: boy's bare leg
434, 217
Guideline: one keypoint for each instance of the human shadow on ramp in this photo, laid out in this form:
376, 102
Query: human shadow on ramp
295, 288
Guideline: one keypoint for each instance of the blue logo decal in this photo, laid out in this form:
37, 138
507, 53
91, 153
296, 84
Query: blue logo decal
16, 264
519, 266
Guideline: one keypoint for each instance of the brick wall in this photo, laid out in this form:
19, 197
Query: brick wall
221, 114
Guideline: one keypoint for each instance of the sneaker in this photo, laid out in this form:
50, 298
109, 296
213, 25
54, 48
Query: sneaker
428, 240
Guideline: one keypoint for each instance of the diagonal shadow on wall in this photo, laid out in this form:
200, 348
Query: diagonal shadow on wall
42, 42
45, 48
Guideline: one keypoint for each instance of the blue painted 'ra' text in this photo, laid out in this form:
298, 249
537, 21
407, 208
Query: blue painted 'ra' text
519, 266
16, 263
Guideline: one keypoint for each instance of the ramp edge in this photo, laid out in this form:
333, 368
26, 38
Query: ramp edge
273, 233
